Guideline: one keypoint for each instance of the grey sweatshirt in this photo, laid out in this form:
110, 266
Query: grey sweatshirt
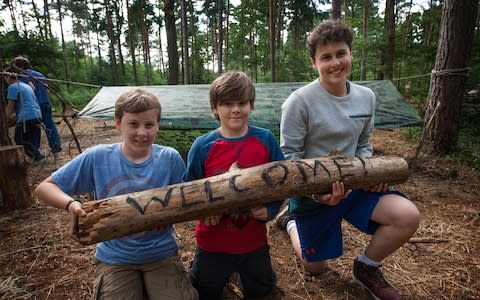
314, 122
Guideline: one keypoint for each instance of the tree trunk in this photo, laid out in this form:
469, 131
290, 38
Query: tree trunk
48, 21
145, 45
171, 42
111, 44
336, 9
4, 138
131, 44
14, 188
447, 86
64, 46
390, 26
220, 37
185, 56
272, 7
363, 69
239, 189
118, 32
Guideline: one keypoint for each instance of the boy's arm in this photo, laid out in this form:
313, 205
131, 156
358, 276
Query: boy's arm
364, 147
10, 108
50, 193
293, 128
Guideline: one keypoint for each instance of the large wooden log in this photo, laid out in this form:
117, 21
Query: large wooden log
236, 190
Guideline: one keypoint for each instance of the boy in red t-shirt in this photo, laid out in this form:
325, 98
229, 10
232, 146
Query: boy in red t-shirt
234, 243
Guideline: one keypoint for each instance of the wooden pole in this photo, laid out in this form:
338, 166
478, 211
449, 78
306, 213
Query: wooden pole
236, 190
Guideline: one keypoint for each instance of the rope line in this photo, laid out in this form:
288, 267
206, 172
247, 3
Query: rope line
51, 79
409, 77
460, 71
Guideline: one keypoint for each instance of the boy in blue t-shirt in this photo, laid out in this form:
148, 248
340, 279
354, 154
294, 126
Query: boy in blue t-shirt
22, 102
39, 85
141, 265
237, 242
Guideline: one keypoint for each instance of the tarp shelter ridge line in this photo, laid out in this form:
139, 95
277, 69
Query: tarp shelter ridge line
188, 106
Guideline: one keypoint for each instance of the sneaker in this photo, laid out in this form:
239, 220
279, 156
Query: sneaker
38, 160
281, 220
371, 279
57, 156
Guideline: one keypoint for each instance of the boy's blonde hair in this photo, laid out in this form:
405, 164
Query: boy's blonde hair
136, 101
326, 32
231, 85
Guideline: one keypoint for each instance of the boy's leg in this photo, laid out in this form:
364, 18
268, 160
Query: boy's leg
117, 282
167, 279
398, 218
256, 276
391, 219
209, 273
25, 133
51, 128
314, 267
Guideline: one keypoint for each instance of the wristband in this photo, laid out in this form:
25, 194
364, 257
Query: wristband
70, 202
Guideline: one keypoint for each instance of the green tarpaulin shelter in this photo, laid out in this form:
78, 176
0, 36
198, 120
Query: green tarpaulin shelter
188, 106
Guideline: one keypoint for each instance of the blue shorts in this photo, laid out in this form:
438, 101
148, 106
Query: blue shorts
320, 231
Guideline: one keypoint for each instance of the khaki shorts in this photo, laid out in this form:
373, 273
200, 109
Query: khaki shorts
165, 279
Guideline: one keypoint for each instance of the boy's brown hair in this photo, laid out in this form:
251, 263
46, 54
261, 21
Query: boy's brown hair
326, 32
136, 101
231, 85
21, 62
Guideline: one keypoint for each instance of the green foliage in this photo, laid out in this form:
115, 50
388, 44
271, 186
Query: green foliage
179, 139
76, 98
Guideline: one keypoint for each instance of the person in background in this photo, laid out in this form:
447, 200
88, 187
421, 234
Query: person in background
22, 103
334, 114
39, 85
236, 242
144, 265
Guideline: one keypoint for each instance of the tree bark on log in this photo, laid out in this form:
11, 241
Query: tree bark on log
241, 189
15, 191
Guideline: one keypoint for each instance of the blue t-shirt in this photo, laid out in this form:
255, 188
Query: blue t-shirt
104, 170
26, 105
41, 91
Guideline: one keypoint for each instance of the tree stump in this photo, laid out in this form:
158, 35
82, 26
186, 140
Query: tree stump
14, 188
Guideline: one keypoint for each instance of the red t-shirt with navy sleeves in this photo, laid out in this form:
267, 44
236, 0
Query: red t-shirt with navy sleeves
213, 154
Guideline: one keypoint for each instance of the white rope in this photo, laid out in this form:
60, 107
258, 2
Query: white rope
51, 79
460, 71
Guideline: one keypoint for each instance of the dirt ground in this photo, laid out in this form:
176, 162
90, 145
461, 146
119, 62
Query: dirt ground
442, 261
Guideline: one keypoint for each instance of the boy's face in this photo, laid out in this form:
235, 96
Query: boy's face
139, 131
333, 62
233, 115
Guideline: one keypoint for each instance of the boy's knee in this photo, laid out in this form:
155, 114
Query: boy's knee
316, 268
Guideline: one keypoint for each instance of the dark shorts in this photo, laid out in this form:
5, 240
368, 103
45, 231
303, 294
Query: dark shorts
320, 231
210, 272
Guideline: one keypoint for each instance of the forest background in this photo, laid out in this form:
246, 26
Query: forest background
141, 42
